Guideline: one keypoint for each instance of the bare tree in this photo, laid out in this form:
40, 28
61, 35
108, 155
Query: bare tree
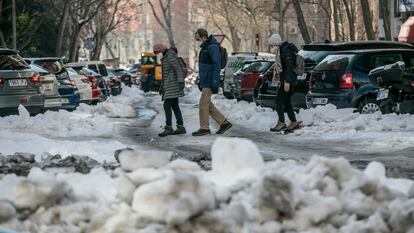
166, 21
350, 12
81, 12
366, 13
112, 14
385, 8
301, 22
62, 27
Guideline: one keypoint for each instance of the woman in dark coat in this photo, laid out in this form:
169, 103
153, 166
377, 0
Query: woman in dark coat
172, 88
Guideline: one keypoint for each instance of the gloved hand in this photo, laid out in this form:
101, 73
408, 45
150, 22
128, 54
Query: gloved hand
215, 90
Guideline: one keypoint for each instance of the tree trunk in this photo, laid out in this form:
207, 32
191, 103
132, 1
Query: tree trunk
386, 19
366, 13
62, 28
336, 19
74, 43
351, 19
170, 35
98, 48
301, 22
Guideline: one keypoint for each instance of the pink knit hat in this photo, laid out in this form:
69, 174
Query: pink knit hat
160, 48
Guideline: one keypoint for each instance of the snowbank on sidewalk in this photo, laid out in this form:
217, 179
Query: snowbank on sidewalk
324, 195
58, 124
117, 106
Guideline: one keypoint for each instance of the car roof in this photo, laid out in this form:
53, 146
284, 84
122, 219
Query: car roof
8, 51
384, 50
85, 63
43, 58
355, 45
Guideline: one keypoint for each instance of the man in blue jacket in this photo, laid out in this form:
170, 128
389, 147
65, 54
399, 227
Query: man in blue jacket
209, 82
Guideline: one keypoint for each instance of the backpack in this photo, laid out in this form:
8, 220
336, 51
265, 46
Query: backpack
299, 65
224, 55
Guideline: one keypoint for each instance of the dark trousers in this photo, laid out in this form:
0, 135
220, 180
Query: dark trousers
284, 103
172, 104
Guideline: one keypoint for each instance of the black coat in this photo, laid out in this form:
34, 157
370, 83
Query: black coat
288, 53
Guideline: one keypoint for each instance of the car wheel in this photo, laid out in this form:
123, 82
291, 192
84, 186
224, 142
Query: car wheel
369, 106
228, 95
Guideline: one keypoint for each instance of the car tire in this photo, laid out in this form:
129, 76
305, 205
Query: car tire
368, 106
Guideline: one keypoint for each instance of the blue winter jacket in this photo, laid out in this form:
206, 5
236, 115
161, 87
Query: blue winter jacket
209, 64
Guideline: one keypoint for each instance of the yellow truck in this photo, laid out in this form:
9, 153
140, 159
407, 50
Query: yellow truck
151, 73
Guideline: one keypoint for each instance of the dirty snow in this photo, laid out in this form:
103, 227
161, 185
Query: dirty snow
324, 195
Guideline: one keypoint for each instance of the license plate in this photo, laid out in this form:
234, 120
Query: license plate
382, 94
17, 82
64, 101
303, 77
320, 101
48, 87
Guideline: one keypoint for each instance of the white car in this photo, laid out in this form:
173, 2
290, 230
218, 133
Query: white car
83, 85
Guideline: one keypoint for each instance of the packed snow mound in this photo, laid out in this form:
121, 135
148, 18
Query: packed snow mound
58, 124
131, 160
324, 195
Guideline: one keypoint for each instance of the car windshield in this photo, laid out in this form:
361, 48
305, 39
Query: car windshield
335, 62
54, 67
258, 67
149, 60
316, 56
12, 62
39, 69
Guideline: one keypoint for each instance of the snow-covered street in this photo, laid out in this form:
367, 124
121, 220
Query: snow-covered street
343, 172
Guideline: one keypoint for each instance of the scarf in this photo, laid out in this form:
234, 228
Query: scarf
278, 64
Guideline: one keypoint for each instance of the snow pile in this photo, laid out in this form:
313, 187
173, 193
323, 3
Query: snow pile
376, 131
325, 195
117, 106
58, 124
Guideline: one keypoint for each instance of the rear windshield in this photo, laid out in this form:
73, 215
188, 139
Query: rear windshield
316, 56
335, 62
38, 69
258, 67
91, 72
71, 71
54, 67
12, 62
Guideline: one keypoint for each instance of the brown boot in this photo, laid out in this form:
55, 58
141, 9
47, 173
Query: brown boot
294, 125
279, 127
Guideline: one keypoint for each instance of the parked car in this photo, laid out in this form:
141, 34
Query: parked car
235, 87
103, 83
341, 79
83, 85
68, 91
125, 76
115, 83
19, 85
314, 53
94, 83
250, 78
50, 86
234, 63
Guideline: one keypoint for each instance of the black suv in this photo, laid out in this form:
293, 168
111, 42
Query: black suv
314, 53
342, 79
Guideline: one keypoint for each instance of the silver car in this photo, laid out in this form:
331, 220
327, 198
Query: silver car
19, 85
50, 86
